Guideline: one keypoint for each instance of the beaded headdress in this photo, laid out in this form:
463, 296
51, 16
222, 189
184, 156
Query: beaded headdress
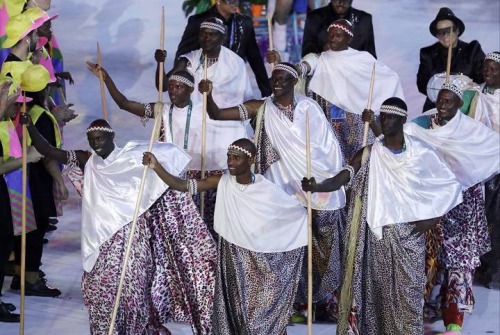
287, 68
453, 88
494, 56
181, 79
234, 147
213, 25
100, 128
388, 109
344, 25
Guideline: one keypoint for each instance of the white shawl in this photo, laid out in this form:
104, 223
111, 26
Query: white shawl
413, 185
289, 140
471, 149
343, 78
261, 217
111, 189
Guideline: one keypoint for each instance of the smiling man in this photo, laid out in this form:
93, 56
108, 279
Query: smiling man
163, 239
471, 150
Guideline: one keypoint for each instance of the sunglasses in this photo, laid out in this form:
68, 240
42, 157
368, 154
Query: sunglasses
446, 31
231, 2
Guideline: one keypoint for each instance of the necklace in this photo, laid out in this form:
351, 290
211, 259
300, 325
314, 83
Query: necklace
243, 187
186, 129
210, 61
287, 110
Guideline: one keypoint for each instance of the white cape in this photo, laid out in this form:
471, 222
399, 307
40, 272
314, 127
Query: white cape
289, 140
343, 78
231, 87
261, 218
471, 149
413, 185
112, 187
488, 109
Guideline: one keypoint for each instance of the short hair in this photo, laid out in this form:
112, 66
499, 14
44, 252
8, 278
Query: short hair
246, 144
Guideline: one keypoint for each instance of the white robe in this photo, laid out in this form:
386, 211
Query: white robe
260, 217
289, 140
343, 78
111, 189
488, 109
413, 185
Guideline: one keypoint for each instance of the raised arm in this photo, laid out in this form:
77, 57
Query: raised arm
337, 181
369, 116
122, 101
174, 182
231, 113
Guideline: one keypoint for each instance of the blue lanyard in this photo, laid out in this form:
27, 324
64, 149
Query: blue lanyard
188, 121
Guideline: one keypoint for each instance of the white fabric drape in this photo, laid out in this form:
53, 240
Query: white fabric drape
111, 189
231, 87
471, 149
488, 109
343, 78
260, 218
220, 134
413, 185
289, 140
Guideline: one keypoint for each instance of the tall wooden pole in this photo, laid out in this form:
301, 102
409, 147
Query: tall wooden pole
270, 32
369, 106
203, 138
23, 218
448, 61
133, 225
101, 82
309, 233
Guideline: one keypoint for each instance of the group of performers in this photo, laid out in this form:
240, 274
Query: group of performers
218, 235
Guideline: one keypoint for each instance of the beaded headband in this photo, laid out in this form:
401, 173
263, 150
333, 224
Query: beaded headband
388, 109
234, 147
100, 128
342, 27
215, 26
494, 56
288, 69
182, 80
453, 88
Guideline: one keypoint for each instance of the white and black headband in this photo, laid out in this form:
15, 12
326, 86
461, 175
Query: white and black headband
181, 79
287, 68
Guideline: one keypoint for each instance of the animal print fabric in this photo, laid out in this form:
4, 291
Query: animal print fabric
254, 291
185, 255
99, 287
388, 281
328, 239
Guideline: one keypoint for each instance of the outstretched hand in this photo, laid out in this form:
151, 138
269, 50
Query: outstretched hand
160, 55
368, 116
149, 160
64, 113
96, 69
309, 185
25, 118
205, 86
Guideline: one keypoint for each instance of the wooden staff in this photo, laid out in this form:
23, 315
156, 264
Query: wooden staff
156, 128
309, 232
369, 106
448, 61
101, 81
203, 138
270, 32
162, 47
23, 217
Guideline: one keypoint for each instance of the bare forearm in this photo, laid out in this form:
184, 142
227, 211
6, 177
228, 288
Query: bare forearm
44, 147
121, 100
11, 165
172, 181
53, 169
334, 183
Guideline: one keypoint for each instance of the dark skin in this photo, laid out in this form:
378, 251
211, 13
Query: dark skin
341, 7
179, 93
282, 84
210, 42
101, 142
392, 128
491, 73
237, 161
447, 105
338, 39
